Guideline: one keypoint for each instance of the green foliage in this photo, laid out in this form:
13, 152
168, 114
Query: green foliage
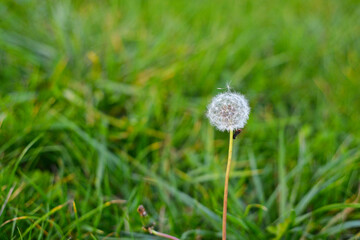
102, 108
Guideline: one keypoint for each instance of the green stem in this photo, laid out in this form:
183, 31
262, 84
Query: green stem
151, 231
226, 186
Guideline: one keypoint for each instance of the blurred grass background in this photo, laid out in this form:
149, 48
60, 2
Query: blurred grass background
102, 108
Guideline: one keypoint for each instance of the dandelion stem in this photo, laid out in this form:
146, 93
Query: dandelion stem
159, 234
226, 186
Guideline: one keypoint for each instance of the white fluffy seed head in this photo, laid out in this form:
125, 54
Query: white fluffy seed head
228, 111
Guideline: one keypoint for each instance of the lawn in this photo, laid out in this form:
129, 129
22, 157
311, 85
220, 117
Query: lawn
103, 108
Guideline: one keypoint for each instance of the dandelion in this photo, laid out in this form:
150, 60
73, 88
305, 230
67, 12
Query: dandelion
149, 225
228, 111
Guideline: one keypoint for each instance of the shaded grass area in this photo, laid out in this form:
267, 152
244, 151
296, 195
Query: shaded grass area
102, 109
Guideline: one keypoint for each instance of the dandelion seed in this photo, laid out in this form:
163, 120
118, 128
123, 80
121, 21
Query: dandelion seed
228, 111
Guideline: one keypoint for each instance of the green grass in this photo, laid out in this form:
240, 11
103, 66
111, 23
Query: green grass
102, 107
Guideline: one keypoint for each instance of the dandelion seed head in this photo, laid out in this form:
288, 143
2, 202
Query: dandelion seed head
228, 111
